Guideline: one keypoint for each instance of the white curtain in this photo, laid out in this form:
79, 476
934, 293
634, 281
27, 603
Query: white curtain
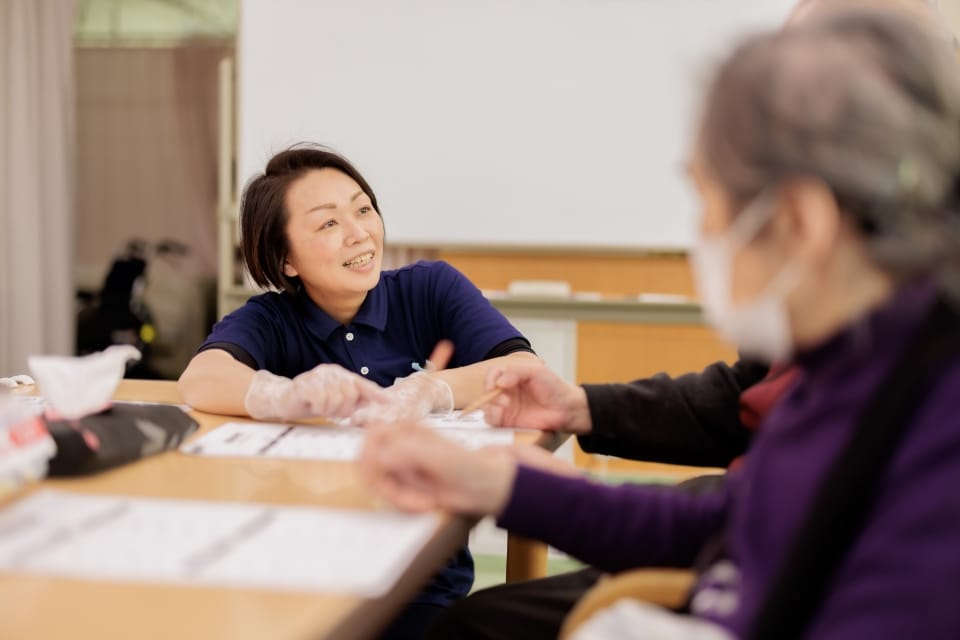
36, 180
147, 156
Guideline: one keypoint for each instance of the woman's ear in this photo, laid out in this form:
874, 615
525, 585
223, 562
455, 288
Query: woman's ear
813, 219
289, 270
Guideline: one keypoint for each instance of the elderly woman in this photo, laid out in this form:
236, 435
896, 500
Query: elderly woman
827, 163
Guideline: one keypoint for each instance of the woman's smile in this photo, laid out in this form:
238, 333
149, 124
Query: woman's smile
362, 262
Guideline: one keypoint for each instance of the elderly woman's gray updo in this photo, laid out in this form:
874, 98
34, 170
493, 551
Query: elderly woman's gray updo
868, 102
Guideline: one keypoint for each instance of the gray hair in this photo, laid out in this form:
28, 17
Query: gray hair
867, 102
933, 14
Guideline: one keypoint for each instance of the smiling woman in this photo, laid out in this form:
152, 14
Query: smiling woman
338, 329
337, 245
311, 221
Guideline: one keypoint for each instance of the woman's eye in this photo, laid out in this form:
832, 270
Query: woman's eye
328, 224
365, 209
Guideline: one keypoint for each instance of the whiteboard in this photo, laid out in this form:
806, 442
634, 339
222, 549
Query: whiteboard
527, 123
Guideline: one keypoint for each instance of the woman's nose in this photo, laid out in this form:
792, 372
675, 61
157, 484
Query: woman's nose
356, 232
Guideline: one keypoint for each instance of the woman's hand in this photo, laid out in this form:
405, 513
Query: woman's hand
416, 469
408, 400
327, 390
534, 397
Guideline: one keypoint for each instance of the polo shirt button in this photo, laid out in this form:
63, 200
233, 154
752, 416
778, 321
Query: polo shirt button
364, 370
349, 337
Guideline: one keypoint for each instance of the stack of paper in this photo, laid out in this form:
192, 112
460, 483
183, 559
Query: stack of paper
193, 542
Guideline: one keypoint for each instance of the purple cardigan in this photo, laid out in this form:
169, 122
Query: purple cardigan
901, 578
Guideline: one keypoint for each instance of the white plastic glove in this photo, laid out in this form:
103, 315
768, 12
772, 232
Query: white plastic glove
409, 399
327, 390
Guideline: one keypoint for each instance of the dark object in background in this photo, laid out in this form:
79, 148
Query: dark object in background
121, 434
118, 314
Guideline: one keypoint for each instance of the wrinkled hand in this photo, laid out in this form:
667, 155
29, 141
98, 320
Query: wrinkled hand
327, 390
408, 400
416, 469
534, 397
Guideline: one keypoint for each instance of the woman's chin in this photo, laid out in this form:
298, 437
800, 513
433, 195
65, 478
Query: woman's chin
366, 280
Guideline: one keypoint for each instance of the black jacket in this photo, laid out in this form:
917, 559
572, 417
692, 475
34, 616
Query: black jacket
692, 419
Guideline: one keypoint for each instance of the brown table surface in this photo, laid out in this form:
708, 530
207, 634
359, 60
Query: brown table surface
53, 607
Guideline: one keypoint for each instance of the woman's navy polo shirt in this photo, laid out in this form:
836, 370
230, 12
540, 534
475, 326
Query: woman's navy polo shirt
392, 335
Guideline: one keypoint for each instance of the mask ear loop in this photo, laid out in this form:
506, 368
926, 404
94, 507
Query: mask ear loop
752, 218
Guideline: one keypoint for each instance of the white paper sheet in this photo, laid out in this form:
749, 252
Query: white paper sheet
459, 420
448, 420
259, 439
193, 542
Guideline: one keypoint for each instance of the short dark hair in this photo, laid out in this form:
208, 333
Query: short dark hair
264, 245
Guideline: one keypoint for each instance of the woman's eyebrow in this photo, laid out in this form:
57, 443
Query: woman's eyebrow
328, 205
331, 205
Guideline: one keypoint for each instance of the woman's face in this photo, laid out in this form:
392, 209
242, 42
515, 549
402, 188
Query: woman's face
335, 236
754, 264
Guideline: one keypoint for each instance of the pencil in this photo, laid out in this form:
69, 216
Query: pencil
438, 361
482, 400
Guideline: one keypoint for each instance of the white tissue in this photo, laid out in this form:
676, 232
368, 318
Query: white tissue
76, 387
25, 445
13, 382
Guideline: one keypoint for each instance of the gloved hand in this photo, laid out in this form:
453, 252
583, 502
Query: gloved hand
408, 400
327, 390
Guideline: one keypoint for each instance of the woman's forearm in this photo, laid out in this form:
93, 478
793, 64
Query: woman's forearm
216, 383
467, 383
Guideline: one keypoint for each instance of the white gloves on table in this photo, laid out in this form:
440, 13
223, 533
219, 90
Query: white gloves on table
409, 399
327, 390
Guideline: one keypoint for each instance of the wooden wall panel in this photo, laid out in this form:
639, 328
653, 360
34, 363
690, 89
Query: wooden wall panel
608, 352
612, 275
614, 352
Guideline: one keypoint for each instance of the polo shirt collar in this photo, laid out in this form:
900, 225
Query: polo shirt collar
372, 313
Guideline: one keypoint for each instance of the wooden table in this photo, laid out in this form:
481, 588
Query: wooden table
38, 607
53, 607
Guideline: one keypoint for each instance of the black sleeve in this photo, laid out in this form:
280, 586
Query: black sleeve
693, 419
239, 353
507, 347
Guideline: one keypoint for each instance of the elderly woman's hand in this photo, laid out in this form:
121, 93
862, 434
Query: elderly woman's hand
417, 469
534, 397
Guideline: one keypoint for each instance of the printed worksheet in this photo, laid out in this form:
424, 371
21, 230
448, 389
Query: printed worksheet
458, 420
260, 439
200, 542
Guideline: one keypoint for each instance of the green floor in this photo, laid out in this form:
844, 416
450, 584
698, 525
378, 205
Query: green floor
491, 569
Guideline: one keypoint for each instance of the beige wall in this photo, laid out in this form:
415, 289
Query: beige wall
147, 145
951, 10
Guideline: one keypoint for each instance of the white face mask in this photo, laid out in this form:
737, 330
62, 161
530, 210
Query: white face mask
759, 328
